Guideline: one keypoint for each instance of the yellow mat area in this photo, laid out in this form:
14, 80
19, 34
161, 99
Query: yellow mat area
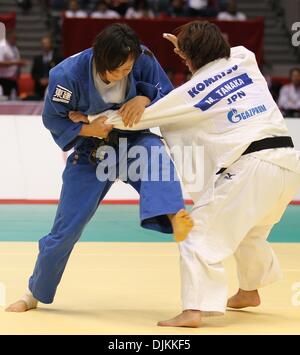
125, 288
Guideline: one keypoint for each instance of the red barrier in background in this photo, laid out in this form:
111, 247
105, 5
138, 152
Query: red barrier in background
9, 20
78, 34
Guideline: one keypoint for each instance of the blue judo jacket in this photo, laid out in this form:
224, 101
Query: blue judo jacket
71, 88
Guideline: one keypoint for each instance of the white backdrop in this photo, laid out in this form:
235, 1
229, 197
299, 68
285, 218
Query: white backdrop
32, 164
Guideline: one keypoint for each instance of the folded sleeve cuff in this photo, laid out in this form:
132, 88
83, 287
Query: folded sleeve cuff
68, 139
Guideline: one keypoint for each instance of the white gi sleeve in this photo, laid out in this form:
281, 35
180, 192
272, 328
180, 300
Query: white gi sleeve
169, 109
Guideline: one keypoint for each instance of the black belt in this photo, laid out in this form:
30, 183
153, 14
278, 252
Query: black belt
113, 141
266, 143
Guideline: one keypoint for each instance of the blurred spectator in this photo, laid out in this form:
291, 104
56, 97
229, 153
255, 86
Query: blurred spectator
85, 4
25, 5
74, 10
178, 8
160, 7
289, 97
196, 6
42, 65
139, 9
231, 13
210, 10
10, 64
120, 6
58, 5
222, 5
103, 11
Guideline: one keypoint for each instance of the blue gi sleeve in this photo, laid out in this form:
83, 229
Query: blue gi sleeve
154, 82
61, 98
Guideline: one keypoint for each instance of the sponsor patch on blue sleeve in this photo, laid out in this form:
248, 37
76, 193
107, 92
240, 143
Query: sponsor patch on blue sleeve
62, 94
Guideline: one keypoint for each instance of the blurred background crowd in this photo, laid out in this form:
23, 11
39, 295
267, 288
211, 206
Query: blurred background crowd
24, 70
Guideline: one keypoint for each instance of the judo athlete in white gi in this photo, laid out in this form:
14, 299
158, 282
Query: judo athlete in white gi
251, 170
117, 73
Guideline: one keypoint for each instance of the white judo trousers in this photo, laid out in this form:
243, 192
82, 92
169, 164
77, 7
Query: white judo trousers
250, 197
224, 108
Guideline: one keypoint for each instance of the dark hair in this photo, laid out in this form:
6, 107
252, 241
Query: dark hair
292, 70
202, 42
140, 4
114, 45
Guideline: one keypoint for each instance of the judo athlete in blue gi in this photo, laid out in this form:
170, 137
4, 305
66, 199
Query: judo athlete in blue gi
117, 73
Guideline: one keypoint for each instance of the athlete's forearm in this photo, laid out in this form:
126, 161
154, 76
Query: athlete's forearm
86, 130
97, 128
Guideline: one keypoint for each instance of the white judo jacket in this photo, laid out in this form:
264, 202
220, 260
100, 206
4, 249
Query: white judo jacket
224, 107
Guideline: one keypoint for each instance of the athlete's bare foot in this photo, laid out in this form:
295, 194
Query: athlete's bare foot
188, 318
18, 307
26, 303
244, 299
182, 224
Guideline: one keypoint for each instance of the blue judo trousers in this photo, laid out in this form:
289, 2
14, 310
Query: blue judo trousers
71, 87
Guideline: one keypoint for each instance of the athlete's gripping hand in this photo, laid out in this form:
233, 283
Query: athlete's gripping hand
77, 116
174, 41
133, 110
99, 128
